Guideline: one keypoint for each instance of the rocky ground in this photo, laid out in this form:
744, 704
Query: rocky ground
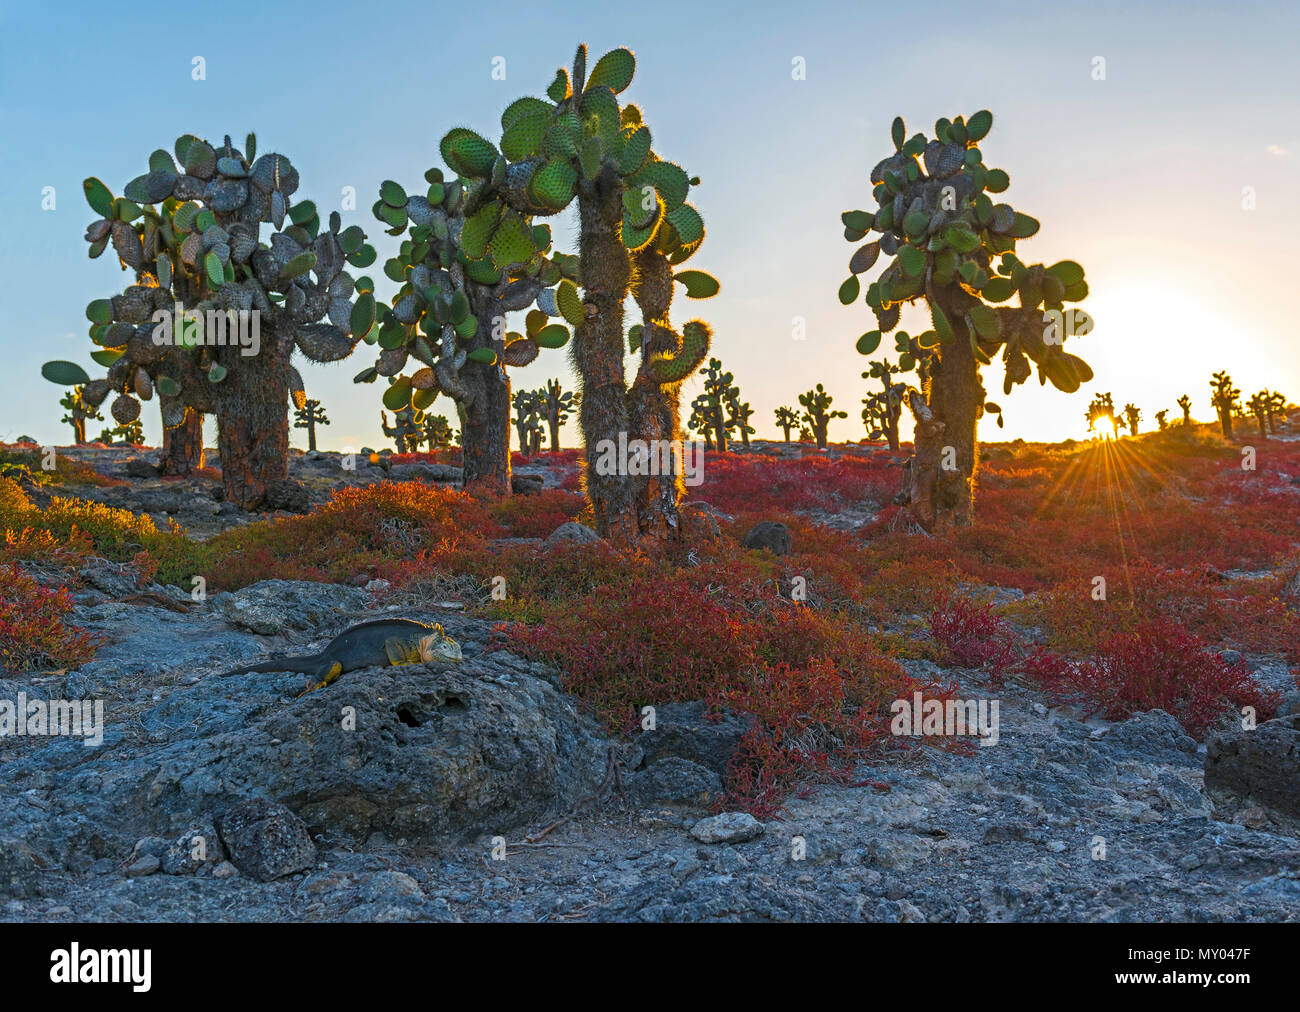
425, 792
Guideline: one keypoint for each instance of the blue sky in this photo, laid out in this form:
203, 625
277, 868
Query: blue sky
1140, 176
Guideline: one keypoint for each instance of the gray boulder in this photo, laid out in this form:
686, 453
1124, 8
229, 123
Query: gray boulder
684, 730
571, 532
1260, 766
276, 606
266, 841
771, 535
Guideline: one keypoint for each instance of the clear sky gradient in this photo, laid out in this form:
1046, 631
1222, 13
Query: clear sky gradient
1140, 177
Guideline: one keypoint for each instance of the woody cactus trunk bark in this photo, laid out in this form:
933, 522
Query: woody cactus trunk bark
182, 449
598, 351
940, 481
485, 426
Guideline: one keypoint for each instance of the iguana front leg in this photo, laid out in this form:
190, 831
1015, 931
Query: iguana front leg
328, 677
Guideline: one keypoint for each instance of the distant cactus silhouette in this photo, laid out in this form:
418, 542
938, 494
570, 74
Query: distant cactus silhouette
1102, 409
787, 419
529, 420
1185, 403
817, 414
558, 403
738, 414
883, 408
1258, 405
1162, 419
940, 225
716, 385
1224, 398
79, 411
437, 432
1132, 416
405, 430
308, 417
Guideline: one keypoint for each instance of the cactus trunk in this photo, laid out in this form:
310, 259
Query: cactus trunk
940, 487
183, 446
485, 427
253, 427
598, 354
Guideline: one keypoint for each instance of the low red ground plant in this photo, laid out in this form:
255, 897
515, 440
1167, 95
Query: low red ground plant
1156, 666
32, 629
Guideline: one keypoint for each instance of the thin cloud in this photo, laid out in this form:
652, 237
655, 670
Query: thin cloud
1278, 150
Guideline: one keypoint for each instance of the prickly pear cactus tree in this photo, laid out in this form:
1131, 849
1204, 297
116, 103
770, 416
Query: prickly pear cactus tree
738, 415
1225, 399
883, 408
580, 146
1102, 409
1185, 403
466, 260
817, 413
437, 432
713, 400
81, 402
941, 230
559, 403
1162, 419
310, 415
529, 420
216, 313
786, 419
1258, 406
405, 431
1132, 415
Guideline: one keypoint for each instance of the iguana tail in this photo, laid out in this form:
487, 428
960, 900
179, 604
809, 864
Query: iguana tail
307, 665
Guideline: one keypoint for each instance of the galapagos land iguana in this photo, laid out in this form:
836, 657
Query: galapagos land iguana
380, 643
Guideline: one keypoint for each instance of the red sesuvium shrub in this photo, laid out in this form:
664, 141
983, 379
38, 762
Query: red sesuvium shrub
973, 637
32, 631
1156, 666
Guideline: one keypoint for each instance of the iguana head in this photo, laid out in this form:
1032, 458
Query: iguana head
438, 646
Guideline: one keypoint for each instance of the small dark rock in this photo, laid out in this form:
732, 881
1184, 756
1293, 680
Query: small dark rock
771, 535
266, 841
138, 467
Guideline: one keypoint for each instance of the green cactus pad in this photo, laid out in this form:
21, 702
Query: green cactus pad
523, 138
688, 223
363, 314
912, 260
65, 374
850, 290
512, 242
979, 125
479, 226
569, 303
986, 321
467, 153
98, 196
614, 71
699, 285
868, 342
636, 148
553, 335
670, 180
1067, 272
552, 184
695, 346
486, 356
398, 396
390, 193
558, 90
295, 268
